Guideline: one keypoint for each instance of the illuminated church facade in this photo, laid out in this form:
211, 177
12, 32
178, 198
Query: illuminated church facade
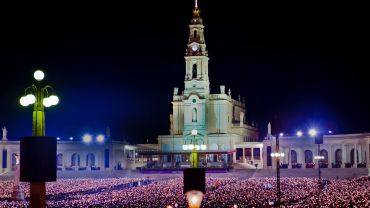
220, 124
219, 120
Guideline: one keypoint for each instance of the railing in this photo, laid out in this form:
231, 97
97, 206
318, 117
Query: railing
218, 96
324, 165
178, 97
336, 165
361, 165
310, 165
285, 166
296, 165
238, 103
348, 165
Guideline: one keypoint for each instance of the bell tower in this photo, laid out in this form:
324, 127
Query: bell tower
196, 58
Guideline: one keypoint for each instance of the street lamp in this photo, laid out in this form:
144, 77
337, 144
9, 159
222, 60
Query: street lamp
100, 138
278, 155
299, 133
318, 157
194, 147
87, 138
313, 133
40, 97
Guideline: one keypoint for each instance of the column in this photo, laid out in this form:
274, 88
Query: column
252, 156
367, 153
66, 159
330, 156
102, 159
134, 153
283, 159
261, 159
360, 152
1, 159
289, 158
273, 149
264, 159
234, 157
114, 162
344, 155
302, 158
317, 162
8, 161
244, 160
355, 156
83, 159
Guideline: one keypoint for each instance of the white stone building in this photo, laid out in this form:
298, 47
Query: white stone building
219, 119
340, 151
75, 155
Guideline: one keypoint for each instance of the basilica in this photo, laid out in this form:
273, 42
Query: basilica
219, 120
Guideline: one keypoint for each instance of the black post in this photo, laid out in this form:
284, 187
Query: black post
278, 171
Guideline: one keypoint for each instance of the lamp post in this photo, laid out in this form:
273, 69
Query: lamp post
318, 158
194, 147
278, 155
313, 133
40, 97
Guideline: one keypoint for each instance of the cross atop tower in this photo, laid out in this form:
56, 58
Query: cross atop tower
196, 4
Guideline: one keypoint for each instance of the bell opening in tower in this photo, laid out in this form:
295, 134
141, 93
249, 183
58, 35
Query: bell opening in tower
194, 71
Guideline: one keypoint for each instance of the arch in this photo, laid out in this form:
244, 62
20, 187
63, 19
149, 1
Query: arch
194, 117
195, 70
5, 156
195, 33
293, 155
75, 159
308, 156
90, 160
352, 156
324, 153
106, 158
60, 159
213, 147
338, 156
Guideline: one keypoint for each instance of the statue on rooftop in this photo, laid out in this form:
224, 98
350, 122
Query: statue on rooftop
5, 132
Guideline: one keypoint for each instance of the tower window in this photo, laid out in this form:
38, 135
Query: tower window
195, 34
194, 118
194, 70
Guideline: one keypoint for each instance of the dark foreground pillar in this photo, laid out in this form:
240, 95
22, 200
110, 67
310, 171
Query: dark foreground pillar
38, 165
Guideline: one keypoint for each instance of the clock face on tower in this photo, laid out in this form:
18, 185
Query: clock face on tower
194, 47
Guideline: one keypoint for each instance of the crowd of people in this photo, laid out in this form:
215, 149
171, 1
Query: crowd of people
220, 192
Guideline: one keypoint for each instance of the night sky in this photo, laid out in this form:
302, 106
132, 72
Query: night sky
116, 65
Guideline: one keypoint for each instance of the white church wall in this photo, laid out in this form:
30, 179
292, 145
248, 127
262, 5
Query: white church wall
178, 117
194, 114
218, 118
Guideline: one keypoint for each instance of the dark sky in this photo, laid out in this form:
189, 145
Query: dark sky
116, 64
